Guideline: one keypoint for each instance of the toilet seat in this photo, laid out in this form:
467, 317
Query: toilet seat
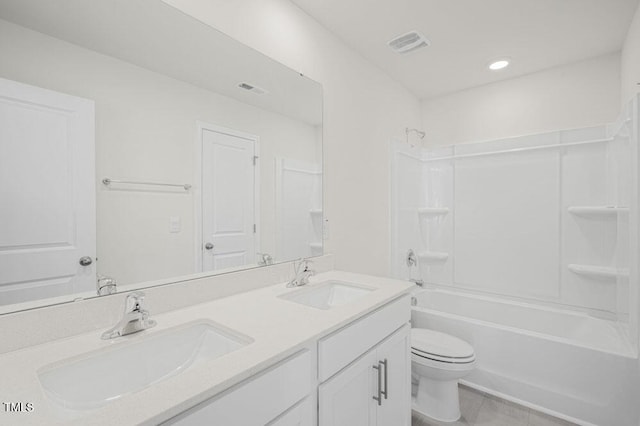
435, 346
431, 357
438, 361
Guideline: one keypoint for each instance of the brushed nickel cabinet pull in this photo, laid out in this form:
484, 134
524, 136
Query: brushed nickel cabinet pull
386, 378
379, 397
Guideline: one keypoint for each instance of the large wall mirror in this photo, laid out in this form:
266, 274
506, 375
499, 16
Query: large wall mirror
141, 146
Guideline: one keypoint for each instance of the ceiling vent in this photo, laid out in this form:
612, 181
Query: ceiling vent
408, 42
251, 88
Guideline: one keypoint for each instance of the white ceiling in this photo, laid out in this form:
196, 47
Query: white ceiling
467, 34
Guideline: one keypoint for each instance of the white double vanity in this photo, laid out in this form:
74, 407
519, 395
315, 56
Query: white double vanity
334, 351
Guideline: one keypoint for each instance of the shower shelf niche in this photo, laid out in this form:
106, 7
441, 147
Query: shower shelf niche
433, 256
598, 211
598, 271
433, 211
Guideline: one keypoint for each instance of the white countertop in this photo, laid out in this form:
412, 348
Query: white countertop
279, 328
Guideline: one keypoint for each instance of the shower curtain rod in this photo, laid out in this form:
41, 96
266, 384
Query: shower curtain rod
514, 150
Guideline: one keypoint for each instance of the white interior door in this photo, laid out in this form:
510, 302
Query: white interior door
228, 199
47, 190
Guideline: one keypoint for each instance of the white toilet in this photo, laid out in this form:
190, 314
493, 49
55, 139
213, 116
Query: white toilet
438, 360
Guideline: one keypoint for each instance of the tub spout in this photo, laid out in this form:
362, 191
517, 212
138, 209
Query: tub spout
417, 281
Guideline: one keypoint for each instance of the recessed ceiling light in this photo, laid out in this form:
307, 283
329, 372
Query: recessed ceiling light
499, 64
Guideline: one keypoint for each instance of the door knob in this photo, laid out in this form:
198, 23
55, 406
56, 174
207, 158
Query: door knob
208, 246
85, 261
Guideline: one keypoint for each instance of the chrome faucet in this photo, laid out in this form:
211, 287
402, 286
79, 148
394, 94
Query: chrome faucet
417, 281
106, 285
135, 318
302, 273
265, 259
412, 260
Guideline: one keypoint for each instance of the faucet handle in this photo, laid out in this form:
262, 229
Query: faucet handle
134, 302
307, 263
265, 259
302, 265
411, 259
135, 317
106, 285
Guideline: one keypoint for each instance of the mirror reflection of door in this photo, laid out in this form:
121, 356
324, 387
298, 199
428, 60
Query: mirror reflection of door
229, 193
47, 182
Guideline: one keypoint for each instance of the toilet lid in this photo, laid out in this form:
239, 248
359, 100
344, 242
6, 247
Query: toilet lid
429, 342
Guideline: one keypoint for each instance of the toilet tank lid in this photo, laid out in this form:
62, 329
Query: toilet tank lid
441, 344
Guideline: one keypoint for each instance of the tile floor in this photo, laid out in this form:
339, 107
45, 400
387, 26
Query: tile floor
480, 409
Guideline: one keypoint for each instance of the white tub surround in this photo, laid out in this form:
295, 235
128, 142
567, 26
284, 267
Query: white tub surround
280, 329
564, 363
545, 218
533, 241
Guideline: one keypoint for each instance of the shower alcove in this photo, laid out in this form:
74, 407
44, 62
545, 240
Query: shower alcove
536, 236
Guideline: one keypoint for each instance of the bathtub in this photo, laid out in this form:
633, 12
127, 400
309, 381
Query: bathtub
565, 363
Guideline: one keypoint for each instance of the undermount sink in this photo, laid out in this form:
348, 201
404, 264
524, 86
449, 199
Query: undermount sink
94, 379
328, 294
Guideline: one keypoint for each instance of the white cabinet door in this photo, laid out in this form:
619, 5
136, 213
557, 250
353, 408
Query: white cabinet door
347, 398
47, 184
395, 357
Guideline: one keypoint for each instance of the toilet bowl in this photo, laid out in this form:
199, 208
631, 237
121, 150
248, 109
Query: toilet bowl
438, 360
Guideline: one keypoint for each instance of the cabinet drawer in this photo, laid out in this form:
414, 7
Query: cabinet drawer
339, 349
257, 401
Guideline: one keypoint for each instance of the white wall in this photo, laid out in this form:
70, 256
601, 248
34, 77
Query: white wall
630, 60
572, 96
363, 110
145, 130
